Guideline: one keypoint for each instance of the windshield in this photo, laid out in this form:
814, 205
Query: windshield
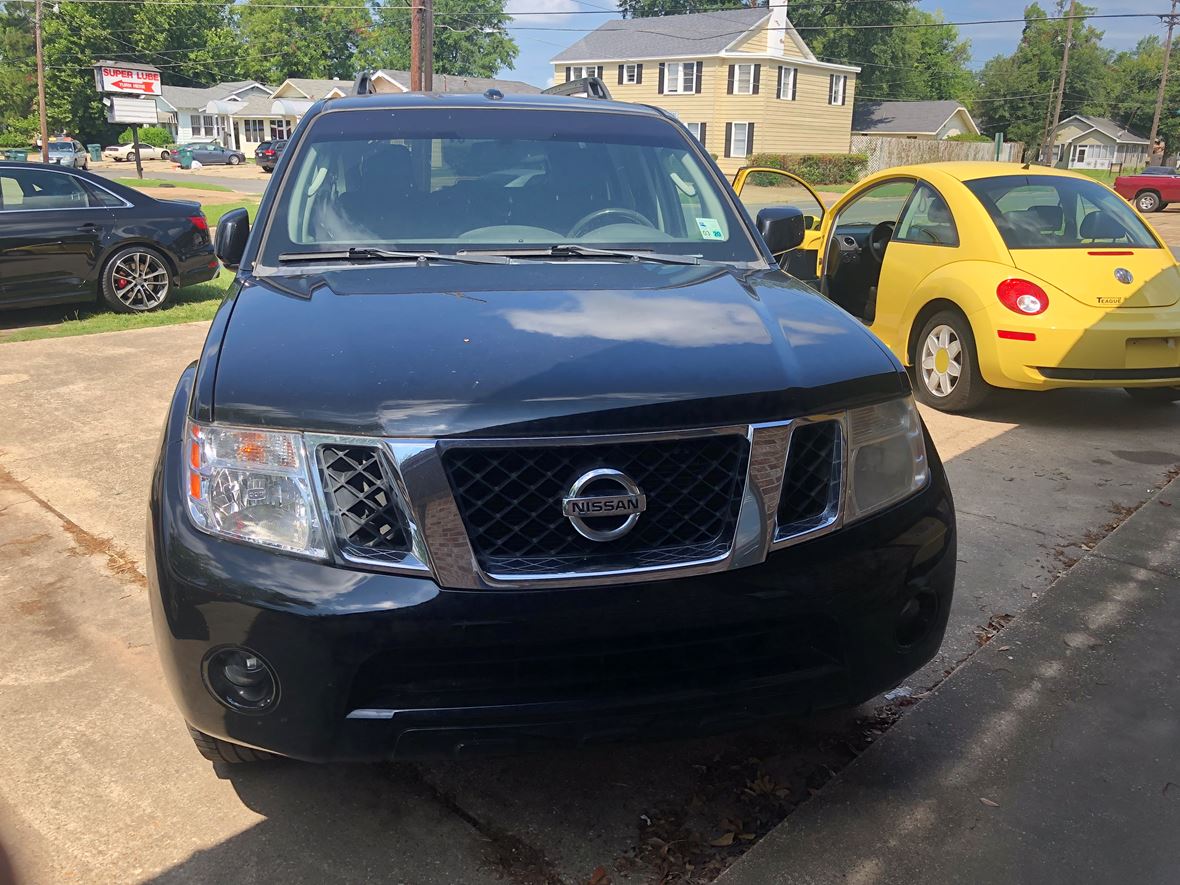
1058, 212
472, 179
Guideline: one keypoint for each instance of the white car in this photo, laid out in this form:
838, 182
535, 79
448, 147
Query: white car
122, 152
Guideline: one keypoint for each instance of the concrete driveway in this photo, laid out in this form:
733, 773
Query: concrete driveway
99, 781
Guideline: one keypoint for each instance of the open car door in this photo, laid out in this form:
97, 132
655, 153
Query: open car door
760, 186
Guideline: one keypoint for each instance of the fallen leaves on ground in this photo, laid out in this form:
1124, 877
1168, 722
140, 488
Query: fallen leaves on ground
996, 623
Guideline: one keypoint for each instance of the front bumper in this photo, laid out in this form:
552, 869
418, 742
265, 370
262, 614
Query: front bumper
376, 666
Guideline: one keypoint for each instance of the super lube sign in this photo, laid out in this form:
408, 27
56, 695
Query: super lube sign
126, 81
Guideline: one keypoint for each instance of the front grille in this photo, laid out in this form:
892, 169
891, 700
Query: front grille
522, 664
510, 500
811, 485
366, 516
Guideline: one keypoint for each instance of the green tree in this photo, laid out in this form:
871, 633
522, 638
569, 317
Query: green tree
647, 8
470, 38
192, 44
301, 41
1017, 92
1135, 79
18, 84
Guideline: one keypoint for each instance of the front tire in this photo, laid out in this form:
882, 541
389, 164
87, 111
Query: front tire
1148, 201
136, 279
217, 750
946, 364
1154, 396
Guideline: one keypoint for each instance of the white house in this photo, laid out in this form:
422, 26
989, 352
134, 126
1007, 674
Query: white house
1085, 142
924, 120
192, 114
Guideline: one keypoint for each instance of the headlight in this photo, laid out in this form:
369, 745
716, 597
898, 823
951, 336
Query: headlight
252, 485
888, 456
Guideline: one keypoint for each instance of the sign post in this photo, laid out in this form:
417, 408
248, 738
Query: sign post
129, 91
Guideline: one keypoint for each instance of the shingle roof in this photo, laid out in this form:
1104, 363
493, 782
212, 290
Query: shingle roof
455, 84
1111, 128
317, 89
902, 116
192, 97
254, 106
668, 35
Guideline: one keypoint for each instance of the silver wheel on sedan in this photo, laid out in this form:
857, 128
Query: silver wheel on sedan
139, 280
942, 361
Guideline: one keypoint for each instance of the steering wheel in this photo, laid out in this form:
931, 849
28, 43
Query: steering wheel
879, 238
583, 224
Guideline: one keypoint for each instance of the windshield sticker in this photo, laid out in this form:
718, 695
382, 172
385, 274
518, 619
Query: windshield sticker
710, 229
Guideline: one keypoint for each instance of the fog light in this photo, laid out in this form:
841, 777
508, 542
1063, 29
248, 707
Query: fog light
241, 680
916, 618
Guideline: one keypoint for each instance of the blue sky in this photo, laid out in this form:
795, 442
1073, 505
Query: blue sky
538, 46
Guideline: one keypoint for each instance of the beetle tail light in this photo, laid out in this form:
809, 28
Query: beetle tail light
1022, 297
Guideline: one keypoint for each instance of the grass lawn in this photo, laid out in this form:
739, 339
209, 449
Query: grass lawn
193, 303
213, 212
159, 182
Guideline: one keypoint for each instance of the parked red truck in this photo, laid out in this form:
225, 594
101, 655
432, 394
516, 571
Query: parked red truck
1152, 189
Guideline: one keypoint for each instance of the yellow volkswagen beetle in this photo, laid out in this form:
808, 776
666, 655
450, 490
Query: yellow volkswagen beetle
981, 275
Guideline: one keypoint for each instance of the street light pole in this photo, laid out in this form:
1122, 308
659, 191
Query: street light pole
1159, 98
40, 82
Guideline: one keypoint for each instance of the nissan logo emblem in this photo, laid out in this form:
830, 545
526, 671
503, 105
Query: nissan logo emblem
603, 504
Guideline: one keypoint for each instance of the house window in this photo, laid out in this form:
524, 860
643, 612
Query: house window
788, 81
255, 130
739, 139
743, 79
680, 77
837, 87
280, 129
203, 125
577, 72
698, 131
630, 73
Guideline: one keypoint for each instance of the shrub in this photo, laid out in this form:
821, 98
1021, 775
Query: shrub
967, 136
812, 168
20, 132
155, 136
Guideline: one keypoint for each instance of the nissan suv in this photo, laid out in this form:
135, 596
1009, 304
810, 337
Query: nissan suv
512, 433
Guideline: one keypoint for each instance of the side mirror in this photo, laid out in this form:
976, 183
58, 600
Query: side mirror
782, 227
230, 242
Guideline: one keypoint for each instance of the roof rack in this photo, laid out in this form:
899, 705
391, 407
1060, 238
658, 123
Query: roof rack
586, 87
364, 84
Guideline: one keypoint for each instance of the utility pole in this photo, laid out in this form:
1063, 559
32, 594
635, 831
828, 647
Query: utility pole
40, 82
416, 46
422, 46
1172, 20
1047, 148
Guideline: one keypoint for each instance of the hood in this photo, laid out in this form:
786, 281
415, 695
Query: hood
540, 348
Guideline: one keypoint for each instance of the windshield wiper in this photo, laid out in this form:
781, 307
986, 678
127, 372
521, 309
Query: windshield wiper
367, 254
577, 251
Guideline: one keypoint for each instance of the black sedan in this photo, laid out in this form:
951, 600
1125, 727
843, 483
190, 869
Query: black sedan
68, 235
269, 157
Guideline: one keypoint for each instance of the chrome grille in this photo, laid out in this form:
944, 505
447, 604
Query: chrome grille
366, 516
811, 486
510, 497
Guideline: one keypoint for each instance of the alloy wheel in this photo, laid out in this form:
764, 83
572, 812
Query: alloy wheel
140, 280
1148, 202
942, 360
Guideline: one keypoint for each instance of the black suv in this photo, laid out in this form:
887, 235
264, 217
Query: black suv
268, 154
511, 432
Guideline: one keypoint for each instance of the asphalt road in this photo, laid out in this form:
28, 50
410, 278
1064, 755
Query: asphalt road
166, 172
100, 783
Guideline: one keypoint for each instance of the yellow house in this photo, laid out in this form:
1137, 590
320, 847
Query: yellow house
742, 80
